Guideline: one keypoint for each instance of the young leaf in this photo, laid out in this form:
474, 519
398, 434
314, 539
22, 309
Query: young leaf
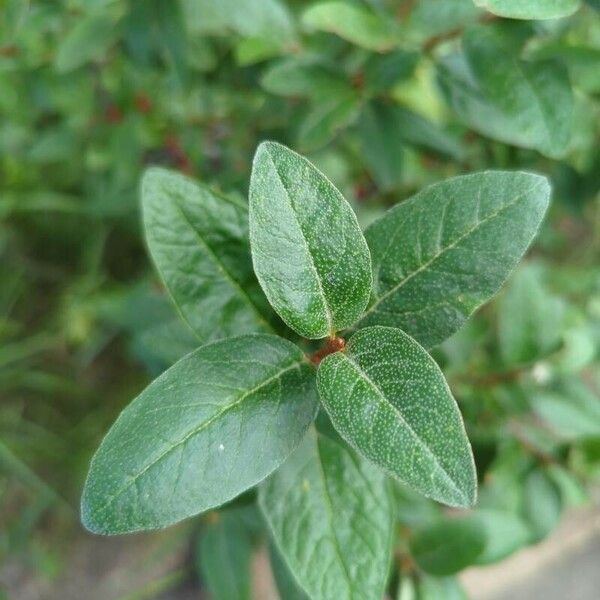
224, 553
331, 515
215, 424
353, 23
448, 546
530, 9
388, 398
309, 253
199, 243
440, 255
538, 111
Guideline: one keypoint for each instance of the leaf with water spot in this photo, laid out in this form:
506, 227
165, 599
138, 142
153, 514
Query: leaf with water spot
388, 399
309, 253
332, 517
199, 243
213, 425
440, 255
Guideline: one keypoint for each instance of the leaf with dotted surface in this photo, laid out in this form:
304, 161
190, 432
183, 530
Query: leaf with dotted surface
331, 515
309, 253
388, 399
213, 425
440, 255
199, 243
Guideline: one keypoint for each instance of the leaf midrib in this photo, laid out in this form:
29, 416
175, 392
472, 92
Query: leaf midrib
222, 268
326, 308
198, 429
442, 252
330, 513
383, 399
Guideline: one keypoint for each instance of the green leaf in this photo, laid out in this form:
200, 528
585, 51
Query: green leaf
354, 24
224, 554
573, 411
268, 20
440, 588
529, 318
327, 118
215, 424
381, 145
530, 9
440, 255
199, 243
388, 398
542, 504
431, 18
301, 77
331, 515
538, 111
309, 254
88, 40
287, 586
448, 546
505, 533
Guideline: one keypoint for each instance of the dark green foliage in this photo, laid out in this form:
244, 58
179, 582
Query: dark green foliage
446, 127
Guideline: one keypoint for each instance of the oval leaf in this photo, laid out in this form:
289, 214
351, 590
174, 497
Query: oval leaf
323, 505
538, 111
353, 23
388, 398
309, 253
199, 243
440, 255
448, 546
215, 424
530, 9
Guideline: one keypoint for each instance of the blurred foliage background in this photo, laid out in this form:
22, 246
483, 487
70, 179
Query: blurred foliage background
93, 91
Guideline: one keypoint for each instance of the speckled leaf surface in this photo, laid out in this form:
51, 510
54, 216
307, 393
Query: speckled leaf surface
199, 243
530, 9
525, 103
331, 515
388, 399
440, 255
309, 253
213, 425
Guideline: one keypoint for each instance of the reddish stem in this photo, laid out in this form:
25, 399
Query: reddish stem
333, 344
